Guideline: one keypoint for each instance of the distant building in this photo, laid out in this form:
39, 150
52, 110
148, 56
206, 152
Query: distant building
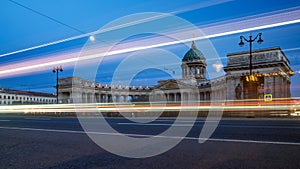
8, 97
271, 74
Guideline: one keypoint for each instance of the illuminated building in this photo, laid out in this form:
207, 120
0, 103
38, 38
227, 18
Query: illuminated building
271, 71
271, 75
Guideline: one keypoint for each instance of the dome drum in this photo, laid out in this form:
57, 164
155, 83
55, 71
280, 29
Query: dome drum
194, 64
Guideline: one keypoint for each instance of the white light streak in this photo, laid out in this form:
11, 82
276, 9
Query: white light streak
282, 19
194, 7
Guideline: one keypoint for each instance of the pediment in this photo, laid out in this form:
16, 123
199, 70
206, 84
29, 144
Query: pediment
173, 84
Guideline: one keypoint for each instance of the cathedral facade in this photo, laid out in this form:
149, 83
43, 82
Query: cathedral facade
271, 75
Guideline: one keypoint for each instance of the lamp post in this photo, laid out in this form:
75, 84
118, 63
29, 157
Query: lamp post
57, 69
250, 40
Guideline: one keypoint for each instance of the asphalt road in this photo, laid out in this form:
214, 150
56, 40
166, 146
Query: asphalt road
52, 142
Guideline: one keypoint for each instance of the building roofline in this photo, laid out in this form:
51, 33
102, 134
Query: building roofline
256, 50
28, 93
70, 77
260, 50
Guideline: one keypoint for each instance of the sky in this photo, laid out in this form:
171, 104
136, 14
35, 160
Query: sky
37, 35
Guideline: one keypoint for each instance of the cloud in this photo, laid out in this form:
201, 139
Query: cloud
218, 66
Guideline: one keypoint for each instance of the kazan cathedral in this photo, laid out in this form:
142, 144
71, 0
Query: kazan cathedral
271, 73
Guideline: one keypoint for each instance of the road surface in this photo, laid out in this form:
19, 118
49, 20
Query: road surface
59, 142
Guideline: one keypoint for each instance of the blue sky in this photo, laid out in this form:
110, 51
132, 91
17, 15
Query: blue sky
23, 28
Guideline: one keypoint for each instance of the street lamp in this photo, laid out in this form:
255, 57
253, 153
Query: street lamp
57, 69
251, 77
250, 40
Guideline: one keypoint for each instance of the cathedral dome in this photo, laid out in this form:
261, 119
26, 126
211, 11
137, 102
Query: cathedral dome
193, 54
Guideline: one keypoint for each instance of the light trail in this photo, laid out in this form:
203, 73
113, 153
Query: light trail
264, 22
186, 9
138, 107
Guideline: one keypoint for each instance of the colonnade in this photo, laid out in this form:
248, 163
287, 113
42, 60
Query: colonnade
112, 98
169, 97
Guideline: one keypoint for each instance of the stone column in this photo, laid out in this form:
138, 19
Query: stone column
175, 99
105, 98
102, 98
117, 98
85, 98
208, 96
289, 89
284, 86
275, 87
76, 97
99, 98
270, 85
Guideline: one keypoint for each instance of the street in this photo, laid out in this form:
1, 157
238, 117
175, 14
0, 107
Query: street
60, 142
